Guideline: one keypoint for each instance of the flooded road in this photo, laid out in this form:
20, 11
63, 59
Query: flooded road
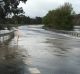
40, 52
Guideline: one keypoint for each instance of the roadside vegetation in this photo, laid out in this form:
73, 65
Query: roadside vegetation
11, 15
7, 9
61, 18
23, 20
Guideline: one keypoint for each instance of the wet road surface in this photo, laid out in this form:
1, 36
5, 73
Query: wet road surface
40, 52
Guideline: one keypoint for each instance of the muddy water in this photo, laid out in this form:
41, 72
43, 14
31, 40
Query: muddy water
49, 52
12, 58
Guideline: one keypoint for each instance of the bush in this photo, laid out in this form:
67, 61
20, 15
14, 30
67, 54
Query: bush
60, 18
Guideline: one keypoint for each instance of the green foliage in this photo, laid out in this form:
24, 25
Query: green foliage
23, 20
9, 7
37, 20
60, 18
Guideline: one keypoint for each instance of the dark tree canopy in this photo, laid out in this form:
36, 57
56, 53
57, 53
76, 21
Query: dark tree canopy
23, 20
10, 6
60, 18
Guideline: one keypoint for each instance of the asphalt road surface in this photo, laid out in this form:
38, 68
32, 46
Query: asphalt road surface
39, 51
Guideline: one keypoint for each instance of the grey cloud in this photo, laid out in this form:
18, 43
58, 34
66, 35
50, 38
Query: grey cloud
35, 8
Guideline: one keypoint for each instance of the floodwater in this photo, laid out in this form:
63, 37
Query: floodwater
45, 51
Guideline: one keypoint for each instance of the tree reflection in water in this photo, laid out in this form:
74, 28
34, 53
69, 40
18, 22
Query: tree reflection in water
11, 60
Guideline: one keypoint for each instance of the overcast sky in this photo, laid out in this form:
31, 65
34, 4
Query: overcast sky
35, 8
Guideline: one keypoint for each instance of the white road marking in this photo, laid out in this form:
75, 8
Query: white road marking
34, 71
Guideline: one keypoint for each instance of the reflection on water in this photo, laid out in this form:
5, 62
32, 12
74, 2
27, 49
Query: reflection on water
62, 46
49, 52
11, 59
52, 53
58, 46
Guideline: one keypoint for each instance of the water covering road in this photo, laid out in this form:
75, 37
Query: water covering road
40, 52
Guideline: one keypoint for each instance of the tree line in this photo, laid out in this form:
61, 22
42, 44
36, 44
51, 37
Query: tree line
61, 18
12, 15
18, 20
23, 20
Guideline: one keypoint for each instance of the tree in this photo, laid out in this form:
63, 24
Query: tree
38, 20
60, 18
10, 7
21, 19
